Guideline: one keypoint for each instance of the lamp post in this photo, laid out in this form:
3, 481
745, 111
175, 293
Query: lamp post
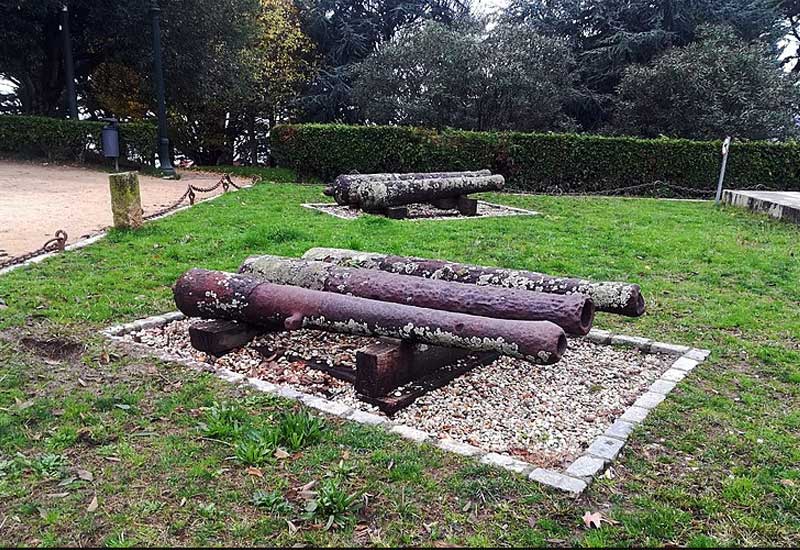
69, 68
163, 140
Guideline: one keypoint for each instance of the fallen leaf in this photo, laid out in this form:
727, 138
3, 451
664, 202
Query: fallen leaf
82, 382
292, 527
92, 505
122, 406
85, 475
183, 502
253, 471
113, 458
281, 454
532, 522
596, 520
58, 495
788, 482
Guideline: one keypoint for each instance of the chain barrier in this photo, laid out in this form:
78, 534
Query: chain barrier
56, 244
658, 184
191, 193
59, 242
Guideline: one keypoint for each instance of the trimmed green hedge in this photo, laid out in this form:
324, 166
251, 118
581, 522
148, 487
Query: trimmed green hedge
535, 162
71, 140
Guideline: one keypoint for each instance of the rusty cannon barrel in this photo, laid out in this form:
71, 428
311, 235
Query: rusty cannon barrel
574, 313
611, 297
341, 187
220, 295
375, 196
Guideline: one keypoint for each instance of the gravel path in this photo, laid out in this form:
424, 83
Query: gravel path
38, 199
546, 415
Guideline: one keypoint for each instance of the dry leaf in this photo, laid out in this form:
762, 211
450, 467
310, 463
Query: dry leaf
92, 505
596, 520
253, 471
788, 482
85, 475
81, 382
292, 527
281, 454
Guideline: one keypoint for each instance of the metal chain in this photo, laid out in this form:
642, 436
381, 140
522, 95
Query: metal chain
56, 244
617, 190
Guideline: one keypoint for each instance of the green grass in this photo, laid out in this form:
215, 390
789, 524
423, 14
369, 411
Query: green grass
716, 464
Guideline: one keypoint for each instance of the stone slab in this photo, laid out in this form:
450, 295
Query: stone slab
507, 462
558, 481
784, 205
606, 448
586, 466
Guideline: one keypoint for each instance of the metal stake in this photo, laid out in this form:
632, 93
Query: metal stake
725, 148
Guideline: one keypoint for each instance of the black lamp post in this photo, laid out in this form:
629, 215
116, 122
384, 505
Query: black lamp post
163, 140
69, 68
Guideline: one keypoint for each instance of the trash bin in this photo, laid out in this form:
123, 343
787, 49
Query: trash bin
111, 140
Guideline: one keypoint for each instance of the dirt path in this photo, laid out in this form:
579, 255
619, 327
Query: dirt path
38, 199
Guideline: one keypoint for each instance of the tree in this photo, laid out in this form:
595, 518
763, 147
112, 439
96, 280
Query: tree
510, 79
347, 31
279, 62
609, 35
715, 87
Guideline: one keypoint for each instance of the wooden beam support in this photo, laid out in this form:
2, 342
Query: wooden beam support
220, 337
387, 365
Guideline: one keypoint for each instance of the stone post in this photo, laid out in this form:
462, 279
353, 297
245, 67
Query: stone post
126, 202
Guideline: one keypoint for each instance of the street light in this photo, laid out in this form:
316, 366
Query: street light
69, 70
163, 140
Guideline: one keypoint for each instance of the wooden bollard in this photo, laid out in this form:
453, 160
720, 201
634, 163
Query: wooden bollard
126, 201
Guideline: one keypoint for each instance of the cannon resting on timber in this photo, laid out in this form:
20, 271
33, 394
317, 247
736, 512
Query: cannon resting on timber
432, 320
389, 194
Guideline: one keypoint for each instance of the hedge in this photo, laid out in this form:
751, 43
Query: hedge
536, 162
72, 140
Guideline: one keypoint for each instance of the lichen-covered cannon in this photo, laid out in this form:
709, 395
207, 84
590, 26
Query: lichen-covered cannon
220, 295
574, 313
611, 297
382, 192
341, 187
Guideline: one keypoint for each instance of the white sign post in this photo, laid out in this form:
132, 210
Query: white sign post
726, 145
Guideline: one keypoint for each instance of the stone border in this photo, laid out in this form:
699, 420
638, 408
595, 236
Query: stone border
319, 207
577, 476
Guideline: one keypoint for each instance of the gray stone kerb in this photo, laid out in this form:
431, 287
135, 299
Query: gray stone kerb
577, 476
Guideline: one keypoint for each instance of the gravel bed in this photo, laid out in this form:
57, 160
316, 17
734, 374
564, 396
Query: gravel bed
546, 415
426, 211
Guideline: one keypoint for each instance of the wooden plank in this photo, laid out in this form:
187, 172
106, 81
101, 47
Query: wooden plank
467, 206
405, 396
386, 365
446, 203
396, 212
219, 337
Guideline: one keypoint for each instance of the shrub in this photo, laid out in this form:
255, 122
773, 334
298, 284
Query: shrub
72, 140
535, 162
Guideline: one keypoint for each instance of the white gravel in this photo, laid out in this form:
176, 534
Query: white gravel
427, 212
546, 415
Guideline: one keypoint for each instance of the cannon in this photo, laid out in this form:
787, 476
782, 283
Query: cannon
612, 297
234, 297
389, 193
574, 313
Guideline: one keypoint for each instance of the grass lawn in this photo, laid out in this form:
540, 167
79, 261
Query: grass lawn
98, 448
